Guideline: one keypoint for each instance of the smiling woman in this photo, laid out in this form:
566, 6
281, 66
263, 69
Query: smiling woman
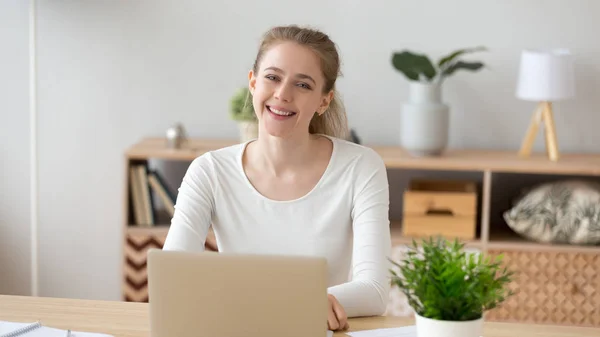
300, 188
290, 98
307, 62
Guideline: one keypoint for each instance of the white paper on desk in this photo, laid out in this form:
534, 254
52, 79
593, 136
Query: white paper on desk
405, 331
329, 333
8, 327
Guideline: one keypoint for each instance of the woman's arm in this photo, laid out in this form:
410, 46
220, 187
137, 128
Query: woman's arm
193, 208
367, 293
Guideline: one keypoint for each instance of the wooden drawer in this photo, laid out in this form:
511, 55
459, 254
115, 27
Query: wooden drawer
437, 207
552, 288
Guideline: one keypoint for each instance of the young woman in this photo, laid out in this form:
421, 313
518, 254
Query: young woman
300, 188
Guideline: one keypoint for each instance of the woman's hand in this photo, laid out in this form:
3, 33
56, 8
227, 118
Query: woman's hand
336, 317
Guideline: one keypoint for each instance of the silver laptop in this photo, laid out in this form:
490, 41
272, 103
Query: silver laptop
212, 294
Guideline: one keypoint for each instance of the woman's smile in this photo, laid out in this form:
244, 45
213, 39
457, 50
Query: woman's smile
280, 113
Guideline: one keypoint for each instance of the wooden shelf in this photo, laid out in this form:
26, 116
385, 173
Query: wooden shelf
399, 239
156, 148
396, 158
395, 231
492, 160
162, 219
501, 237
504, 238
157, 230
153, 230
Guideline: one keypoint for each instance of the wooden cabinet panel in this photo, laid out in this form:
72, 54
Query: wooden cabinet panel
552, 287
135, 285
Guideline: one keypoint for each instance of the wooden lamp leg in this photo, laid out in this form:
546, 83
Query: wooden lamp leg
550, 131
532, 131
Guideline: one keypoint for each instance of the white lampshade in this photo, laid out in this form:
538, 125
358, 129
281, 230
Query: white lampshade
546, 75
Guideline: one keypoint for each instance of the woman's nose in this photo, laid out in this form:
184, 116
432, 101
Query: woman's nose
284, 93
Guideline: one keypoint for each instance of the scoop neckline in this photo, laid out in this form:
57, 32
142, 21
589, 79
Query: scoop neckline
305, 196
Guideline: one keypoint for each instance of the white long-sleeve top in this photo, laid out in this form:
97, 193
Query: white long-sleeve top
344, 218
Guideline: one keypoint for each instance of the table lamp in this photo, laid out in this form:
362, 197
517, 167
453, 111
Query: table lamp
545, 76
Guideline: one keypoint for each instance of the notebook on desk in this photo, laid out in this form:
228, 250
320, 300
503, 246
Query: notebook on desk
36, 329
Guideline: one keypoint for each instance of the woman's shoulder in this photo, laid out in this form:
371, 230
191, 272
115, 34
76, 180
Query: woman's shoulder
357, 155
221, 157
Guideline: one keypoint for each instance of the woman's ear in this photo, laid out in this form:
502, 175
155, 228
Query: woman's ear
251, 81
325, 103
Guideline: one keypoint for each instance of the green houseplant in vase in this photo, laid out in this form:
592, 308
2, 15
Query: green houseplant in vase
448, 288
424, 119
241, 110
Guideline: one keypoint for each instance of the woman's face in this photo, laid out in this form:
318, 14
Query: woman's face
287, 90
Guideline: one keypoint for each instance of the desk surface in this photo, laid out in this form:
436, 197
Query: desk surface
126, 319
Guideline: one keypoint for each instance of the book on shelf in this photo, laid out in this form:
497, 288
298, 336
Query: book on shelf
145, 186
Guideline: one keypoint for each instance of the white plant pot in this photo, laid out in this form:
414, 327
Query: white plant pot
248, 130
424, 121
427, 327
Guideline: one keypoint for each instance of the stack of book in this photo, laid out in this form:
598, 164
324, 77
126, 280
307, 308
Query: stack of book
145, 186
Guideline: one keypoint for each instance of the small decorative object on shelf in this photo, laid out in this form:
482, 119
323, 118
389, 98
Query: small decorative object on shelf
545, 76
424, 119
241, 110
176, 136
450, 289
563, 212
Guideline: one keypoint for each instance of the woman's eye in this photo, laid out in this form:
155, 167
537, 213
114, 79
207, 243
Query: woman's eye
271, 77
304, 85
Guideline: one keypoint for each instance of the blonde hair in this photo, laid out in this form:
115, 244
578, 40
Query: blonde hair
333, 122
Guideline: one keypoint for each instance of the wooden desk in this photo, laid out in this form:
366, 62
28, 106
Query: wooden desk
127, 319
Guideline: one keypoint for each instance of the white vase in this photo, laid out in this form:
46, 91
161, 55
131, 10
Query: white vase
427, 327
424, 120
248, 130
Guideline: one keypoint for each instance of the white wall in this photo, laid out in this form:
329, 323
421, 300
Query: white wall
14, 149
113, 72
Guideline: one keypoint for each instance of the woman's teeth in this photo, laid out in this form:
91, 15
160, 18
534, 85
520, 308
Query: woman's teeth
281, 113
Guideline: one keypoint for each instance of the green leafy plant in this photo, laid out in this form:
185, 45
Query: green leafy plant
240, 106
443, 282
419, 67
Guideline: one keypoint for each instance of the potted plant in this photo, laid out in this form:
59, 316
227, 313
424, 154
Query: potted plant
424, 120
450, 289
241, 110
